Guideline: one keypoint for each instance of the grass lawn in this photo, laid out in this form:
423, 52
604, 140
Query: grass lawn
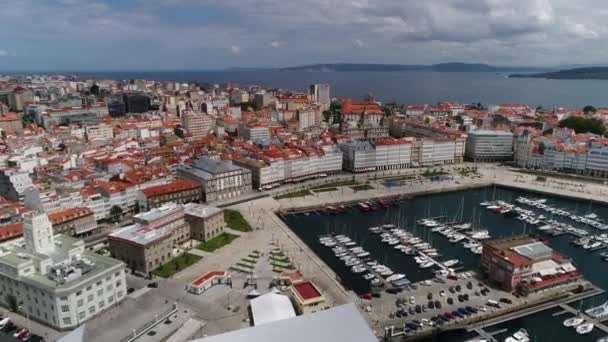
301, 193
236, 221
334, 184
362, 187
325, 190
176, 264
217, 242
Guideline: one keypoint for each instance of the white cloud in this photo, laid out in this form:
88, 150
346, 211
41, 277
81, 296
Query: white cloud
359, 43
276, 44
235, 49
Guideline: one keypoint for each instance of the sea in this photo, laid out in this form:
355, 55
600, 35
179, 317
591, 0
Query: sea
411, 87
459, 204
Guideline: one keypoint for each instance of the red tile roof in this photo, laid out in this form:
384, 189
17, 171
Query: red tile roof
306, 290
69, 215
10, 231
175, 186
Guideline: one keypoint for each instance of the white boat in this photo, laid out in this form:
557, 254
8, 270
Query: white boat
520, 336
358, 269
451, 263
462, 226
584, 328
592, 216
573, 322
427, 264
395, 277
368, 276
598, 311
485, 203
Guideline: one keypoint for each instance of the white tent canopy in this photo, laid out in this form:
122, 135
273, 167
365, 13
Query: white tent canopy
271, 307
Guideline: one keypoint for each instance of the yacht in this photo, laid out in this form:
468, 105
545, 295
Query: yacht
584, 328
485, 203
451, 263
598, 312
395, 277
573, 321
462, 226
358, 269
520, 336
592, 216
427, 264
368, 276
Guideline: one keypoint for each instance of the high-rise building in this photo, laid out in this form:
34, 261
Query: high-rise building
197, 124
136, 102
320, 93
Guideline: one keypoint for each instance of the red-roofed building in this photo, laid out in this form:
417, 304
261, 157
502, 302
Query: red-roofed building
177, 191
525, 264
73, 221
10, 122
307, 297
11, 231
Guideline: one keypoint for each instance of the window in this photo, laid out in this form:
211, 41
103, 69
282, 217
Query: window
90, 298
67, 321
81, 315
109, 287
117, 274
80, 302
119, 294
118, 283
99, 292
110, 299
98, 283
89, 287
79, 293
92, 310
63, 298
101, 304
65, 308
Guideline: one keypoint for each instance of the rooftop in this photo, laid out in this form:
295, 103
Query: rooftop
341, 323
200, 210
69, 214
174, 186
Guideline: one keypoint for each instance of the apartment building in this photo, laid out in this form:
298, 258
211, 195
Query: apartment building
177, 191
220, 179
13, 184
197, 124
384, 154
438, 151
73, 221
489, 145
254, 131
99, 132
281, 166
54, 279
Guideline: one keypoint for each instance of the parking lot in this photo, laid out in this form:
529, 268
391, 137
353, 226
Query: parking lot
420, 304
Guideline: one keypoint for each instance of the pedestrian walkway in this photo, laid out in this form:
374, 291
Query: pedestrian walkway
234, 231
198, 252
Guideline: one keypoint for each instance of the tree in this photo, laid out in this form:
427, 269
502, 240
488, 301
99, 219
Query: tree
583, 125
116, 213
589, 109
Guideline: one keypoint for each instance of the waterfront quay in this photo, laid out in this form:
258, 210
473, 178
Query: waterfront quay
380, 310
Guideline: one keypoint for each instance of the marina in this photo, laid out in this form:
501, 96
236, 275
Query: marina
407, 219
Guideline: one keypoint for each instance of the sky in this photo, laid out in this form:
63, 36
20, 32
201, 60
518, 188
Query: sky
216, 34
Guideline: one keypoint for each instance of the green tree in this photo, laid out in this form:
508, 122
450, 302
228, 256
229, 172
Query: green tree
116, 213
589, 109
583, 125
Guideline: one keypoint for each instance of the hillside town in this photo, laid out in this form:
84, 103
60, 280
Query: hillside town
102, 181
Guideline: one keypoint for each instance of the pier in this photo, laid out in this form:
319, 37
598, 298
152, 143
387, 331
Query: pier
596, 323
489, 335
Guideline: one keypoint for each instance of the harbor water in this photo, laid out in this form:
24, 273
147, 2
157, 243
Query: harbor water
459, 206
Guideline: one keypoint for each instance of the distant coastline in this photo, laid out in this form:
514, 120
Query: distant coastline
588, 73
441, 67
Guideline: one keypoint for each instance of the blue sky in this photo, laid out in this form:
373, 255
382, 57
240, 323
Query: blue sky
215, 34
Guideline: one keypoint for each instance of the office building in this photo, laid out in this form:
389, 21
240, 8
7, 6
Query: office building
220, 179
150, 241
525, 265
488, 145
255, 132
384, 154
320, 93
54, 279
136, 102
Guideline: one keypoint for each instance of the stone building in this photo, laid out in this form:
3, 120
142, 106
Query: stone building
206, 222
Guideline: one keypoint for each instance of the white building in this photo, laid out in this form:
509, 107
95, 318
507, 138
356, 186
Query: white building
384, 154
13, 184
99, 132
254, 132
320, 94
54, 279
488, 145
438, 151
